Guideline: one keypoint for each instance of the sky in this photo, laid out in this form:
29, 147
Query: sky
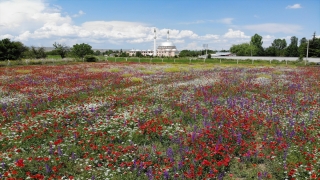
130, 24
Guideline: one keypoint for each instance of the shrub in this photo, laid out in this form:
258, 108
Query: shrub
90, 58
147, 72
114, 70
136, 79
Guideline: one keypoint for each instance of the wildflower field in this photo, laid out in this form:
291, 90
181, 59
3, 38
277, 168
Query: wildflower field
159, 121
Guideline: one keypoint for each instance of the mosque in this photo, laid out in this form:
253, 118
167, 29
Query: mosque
165, 49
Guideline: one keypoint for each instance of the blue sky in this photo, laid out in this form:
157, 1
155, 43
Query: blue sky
115, 24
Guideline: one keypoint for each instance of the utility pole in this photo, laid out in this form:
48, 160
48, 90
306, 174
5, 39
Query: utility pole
314, 36
307, 53
206, 48
250, 48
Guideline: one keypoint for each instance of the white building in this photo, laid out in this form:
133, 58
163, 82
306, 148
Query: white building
133, 52
222, 54
165, 49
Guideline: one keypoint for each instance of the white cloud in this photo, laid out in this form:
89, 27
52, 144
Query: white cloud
36, 22
116, 29
80, 13
140, 40
222, 21
179, 41
225, 20
28, 15
6, 36
111, 31
274, 28
295, 6
193, 45
268, 38
235, 34
23, 37
184, 34
207, 37
287, 37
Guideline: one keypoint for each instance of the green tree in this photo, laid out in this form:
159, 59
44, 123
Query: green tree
80, 50
11, 50
303, 40
61, 49
279, 45
314, 47
138, 54
270, 51
41, 53
35, 53
124, 54
256, 45
292, 49
302, 49
193, 53
53, 53
97, 53
184, 53
243, 49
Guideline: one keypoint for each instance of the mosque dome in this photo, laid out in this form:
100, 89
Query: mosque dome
167, 46
167, 43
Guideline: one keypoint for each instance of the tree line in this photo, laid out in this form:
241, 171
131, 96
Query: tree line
279, 47
15, 50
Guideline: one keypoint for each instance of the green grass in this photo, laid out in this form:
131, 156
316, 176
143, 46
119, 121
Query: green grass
200, 61
136, 79
114, 70
147, 72
54, 57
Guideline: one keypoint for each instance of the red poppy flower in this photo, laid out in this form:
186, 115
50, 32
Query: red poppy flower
205, 163
57, 142
19, 163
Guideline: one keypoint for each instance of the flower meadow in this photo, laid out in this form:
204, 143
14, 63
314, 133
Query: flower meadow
159, 121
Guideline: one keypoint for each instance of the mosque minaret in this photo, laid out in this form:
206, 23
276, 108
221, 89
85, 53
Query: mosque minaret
154, 43
165, 49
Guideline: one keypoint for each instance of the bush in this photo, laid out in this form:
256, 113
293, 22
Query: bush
136, 79
90, 58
